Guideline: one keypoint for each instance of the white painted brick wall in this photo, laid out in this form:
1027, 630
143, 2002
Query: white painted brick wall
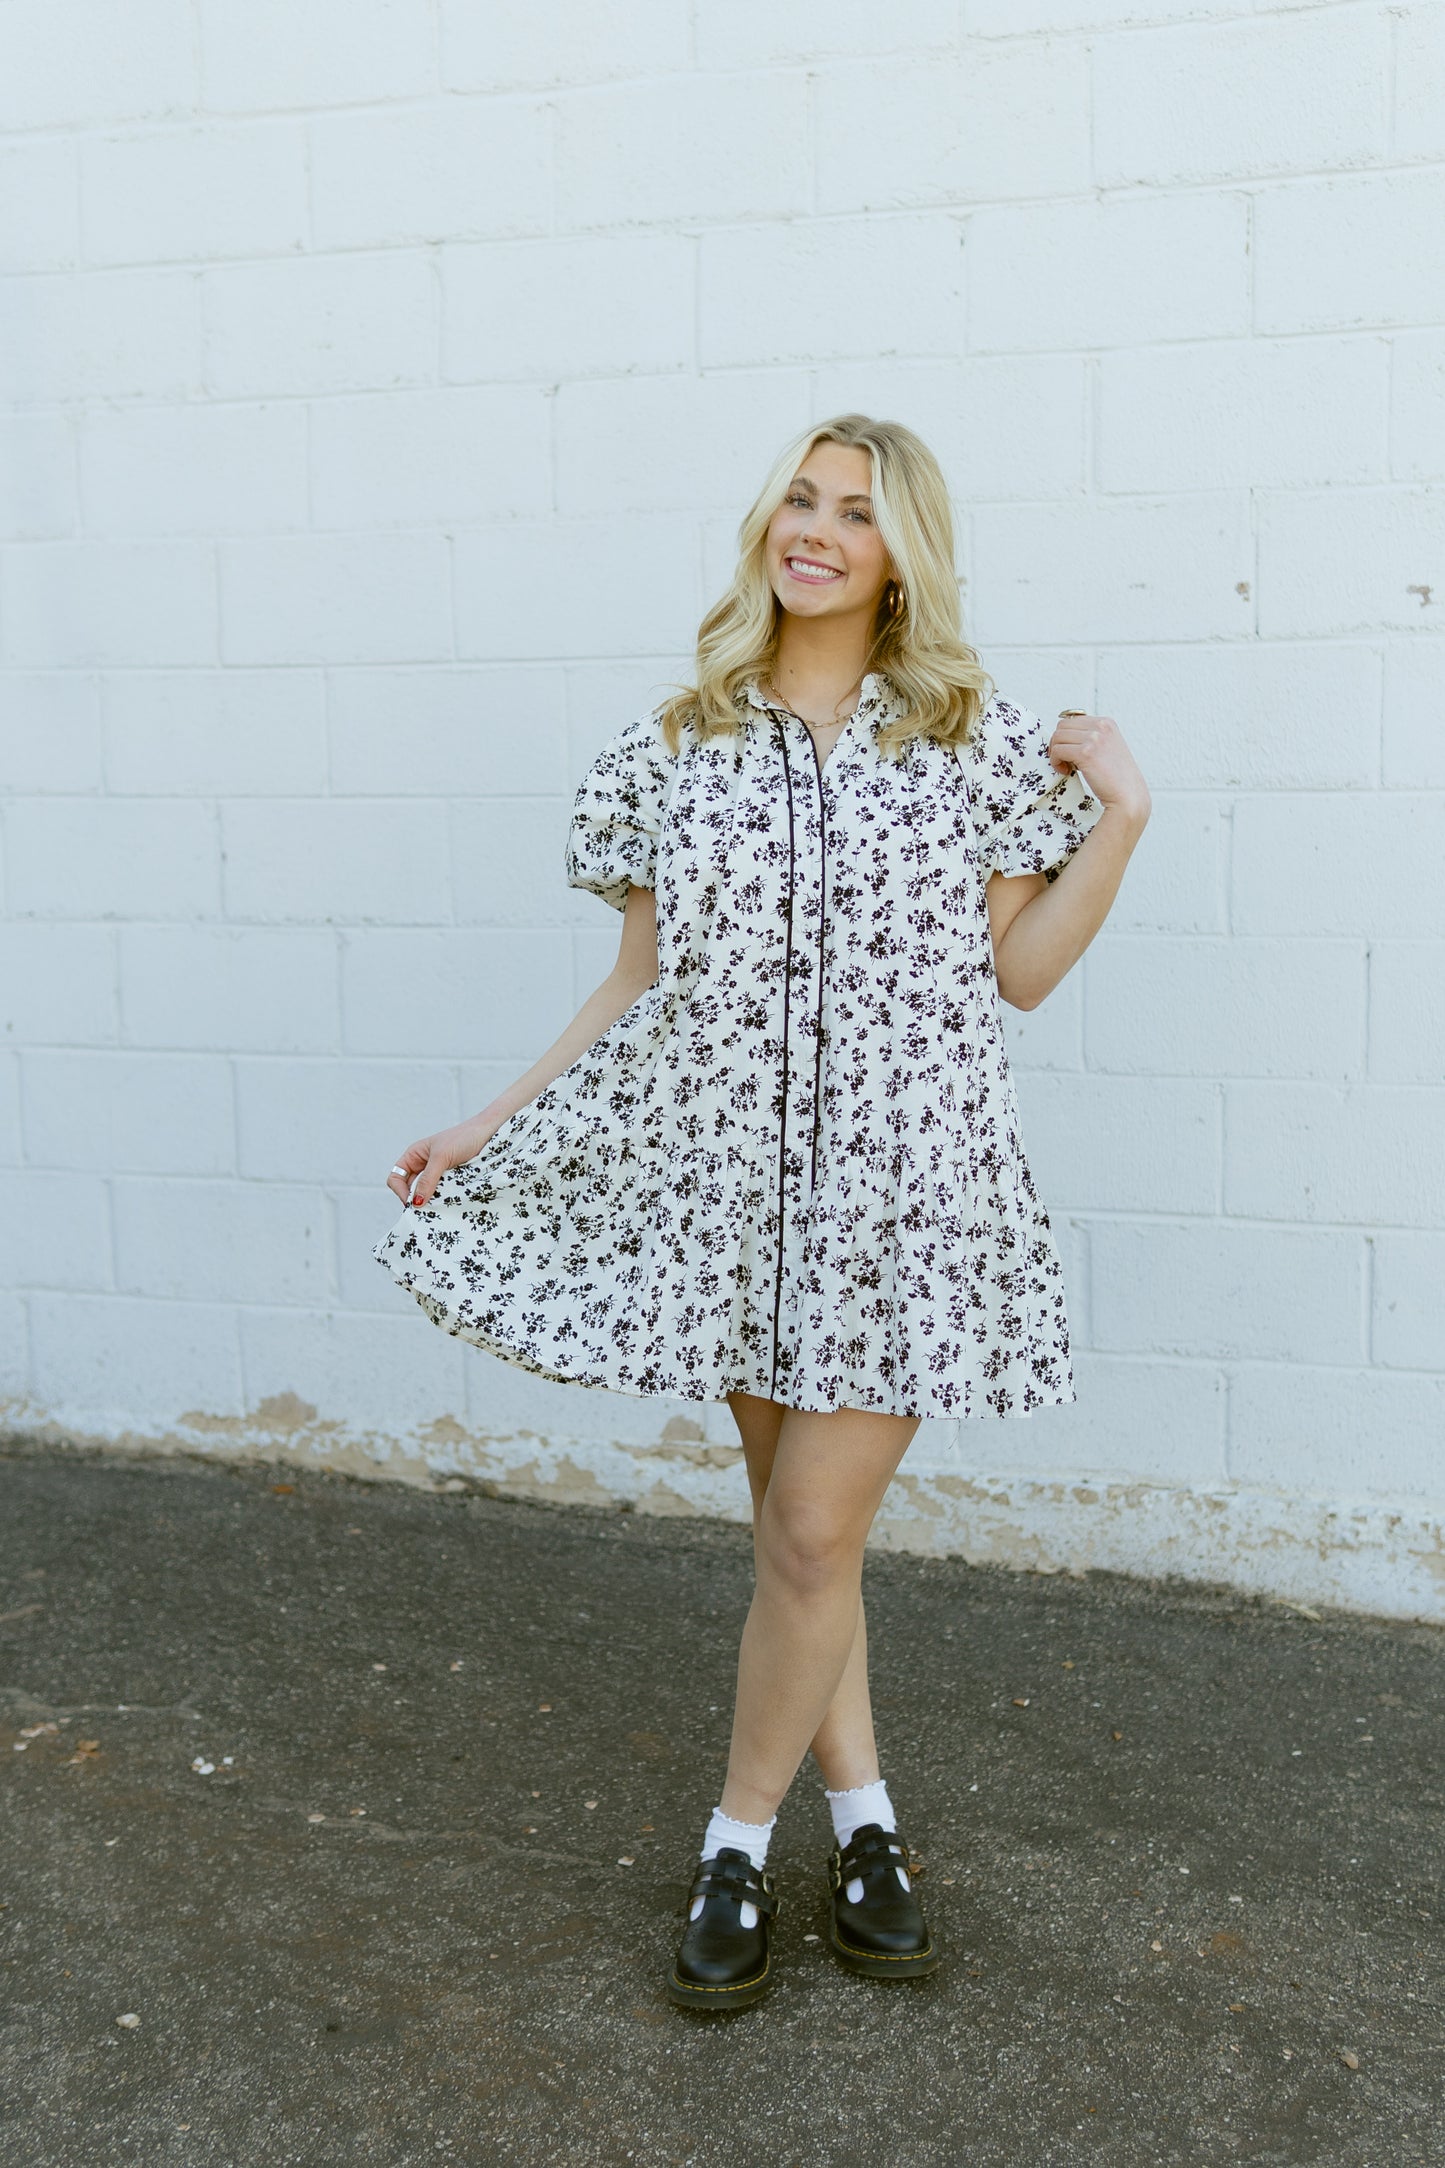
1358, 251
1201, 119
1409, 1300
610, 305
381, 387
80, 334
364, 597
187, 195
428, 173
185, 470
1066, 275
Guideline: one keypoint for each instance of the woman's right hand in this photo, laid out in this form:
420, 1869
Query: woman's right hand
425, 1162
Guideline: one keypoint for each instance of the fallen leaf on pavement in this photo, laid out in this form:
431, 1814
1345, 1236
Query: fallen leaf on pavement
1349, 2058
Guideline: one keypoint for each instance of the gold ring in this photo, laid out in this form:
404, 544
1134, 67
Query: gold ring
1071, 711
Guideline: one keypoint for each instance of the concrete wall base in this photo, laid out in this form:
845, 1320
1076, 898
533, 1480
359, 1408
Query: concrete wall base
1361, 1555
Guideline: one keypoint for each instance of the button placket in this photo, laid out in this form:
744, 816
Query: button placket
801, 1073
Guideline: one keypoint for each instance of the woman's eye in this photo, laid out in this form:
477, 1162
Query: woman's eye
804, 504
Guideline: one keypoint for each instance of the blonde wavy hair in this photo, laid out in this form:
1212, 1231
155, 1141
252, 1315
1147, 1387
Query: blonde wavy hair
919, 645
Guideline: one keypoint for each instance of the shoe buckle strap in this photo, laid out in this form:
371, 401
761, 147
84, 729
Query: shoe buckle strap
745, 1885
869, 1854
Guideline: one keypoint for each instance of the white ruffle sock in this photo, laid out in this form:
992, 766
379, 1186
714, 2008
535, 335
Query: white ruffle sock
851, 1810
726, 1835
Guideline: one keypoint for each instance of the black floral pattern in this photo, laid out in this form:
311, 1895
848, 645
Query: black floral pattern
792, 1166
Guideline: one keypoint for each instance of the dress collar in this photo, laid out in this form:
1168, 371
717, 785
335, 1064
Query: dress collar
872, 695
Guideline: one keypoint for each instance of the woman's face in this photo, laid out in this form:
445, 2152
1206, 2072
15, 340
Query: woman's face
826, 557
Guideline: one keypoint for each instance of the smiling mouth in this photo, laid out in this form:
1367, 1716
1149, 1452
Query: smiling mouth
807, 568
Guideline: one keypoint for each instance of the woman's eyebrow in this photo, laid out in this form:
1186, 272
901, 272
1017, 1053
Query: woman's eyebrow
801, 481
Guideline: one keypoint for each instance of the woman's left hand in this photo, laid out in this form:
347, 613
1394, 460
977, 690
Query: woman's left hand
1094, 744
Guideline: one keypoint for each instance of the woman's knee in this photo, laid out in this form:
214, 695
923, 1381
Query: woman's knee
807, 1543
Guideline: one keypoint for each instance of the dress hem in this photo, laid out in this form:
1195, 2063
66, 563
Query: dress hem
440, 1314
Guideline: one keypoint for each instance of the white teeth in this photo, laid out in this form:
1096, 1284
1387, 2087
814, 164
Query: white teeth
802, 571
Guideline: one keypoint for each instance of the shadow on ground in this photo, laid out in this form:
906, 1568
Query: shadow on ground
376, 1810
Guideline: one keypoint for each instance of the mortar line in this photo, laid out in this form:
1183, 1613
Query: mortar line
1221, 1139
1367, 1019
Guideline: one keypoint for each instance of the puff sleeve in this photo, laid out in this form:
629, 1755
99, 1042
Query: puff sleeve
1029, 816
618, 813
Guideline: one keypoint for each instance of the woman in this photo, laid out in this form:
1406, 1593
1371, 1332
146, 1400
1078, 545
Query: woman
776, 1158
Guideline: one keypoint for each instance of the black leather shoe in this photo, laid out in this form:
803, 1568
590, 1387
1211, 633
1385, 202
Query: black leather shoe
884, 1934
720, 1964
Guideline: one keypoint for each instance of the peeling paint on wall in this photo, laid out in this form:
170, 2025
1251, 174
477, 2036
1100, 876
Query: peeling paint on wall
1354, 1555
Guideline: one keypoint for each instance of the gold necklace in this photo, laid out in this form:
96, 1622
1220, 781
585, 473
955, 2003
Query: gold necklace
835, 724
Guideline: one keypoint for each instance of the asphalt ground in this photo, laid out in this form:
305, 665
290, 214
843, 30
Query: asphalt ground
352, 1823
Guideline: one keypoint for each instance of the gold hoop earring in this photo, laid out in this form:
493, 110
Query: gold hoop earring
895, 598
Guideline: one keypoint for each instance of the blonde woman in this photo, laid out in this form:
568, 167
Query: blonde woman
775, 1159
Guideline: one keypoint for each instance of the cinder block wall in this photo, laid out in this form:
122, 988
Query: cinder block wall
383, 380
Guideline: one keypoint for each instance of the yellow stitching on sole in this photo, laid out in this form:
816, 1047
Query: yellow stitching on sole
882, 1957
696, 1987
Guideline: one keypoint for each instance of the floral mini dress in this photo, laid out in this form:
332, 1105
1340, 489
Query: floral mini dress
792, 1166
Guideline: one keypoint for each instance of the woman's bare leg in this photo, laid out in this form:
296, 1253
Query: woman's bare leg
826, 1481
844, 1746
